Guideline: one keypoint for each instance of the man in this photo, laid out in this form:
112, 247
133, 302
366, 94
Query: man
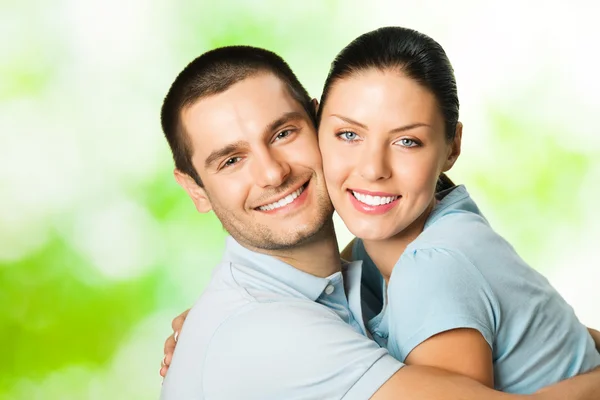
281, 317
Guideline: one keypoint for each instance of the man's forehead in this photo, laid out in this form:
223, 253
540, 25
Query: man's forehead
241, 112
261, 95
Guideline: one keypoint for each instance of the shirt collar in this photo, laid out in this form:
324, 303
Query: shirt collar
308, 285
454, 199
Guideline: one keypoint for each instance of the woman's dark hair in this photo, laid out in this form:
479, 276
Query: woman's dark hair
416, 55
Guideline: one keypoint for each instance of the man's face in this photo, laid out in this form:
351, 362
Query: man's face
257, 154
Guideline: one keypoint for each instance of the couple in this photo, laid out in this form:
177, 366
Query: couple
428, 283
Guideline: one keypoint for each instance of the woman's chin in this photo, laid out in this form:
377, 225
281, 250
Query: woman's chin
370, 232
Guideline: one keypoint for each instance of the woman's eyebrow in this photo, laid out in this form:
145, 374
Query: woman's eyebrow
399, 129
409, 127
349, 120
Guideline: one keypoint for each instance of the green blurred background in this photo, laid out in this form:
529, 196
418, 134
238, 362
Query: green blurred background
99, 249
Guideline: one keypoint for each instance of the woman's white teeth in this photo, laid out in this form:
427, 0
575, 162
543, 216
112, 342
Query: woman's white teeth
283, 202
373, 200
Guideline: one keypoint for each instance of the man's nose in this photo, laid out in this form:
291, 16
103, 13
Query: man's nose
269, 170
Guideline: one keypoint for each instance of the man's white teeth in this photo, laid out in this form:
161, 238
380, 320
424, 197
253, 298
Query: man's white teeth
283, 202
373, 200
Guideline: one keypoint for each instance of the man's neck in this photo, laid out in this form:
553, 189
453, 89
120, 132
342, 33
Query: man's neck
319, 256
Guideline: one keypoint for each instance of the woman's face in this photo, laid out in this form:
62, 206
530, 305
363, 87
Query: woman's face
383, 145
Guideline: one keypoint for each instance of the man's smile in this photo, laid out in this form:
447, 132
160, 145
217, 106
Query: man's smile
292, 198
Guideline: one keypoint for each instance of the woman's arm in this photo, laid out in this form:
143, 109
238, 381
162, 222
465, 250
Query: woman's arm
441, 314
423, 383
416, 382
582, 387
463, 351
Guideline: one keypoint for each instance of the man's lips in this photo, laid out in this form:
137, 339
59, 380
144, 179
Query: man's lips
283, 200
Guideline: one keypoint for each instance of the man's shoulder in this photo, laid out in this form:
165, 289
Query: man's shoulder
263, 349
225, 326
237, 292
224, 301
224, 305
250, 336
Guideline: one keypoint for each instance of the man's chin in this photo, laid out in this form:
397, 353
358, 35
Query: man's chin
295, 236
286, 240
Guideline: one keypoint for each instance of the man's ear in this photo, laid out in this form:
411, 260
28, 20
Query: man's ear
454, 148
196, 193
315, 105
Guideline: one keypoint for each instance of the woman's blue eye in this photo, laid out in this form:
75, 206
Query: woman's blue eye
408, 143
348, 136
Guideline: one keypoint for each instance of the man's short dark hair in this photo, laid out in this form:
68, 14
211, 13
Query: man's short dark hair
212, 73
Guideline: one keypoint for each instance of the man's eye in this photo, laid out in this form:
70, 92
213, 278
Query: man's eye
231, 161
283, 134
347, 136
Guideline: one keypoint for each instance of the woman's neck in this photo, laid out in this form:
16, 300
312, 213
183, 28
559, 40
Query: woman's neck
385, 253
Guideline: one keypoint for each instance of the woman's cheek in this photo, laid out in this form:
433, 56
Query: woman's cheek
333, 166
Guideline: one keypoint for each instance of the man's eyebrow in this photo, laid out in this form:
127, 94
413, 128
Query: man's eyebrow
288, 116
224, 151
395, 130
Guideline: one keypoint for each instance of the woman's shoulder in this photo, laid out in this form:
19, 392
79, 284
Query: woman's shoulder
454, 231
469, 241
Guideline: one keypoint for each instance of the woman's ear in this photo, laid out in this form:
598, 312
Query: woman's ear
454, 150
196, 193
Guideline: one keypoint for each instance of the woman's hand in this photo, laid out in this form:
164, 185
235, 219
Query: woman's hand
171, 342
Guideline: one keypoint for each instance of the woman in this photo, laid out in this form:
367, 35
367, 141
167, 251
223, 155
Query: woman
458, 295
455, 295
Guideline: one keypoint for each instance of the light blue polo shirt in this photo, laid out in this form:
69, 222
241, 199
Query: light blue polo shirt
265, 330
459, 273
